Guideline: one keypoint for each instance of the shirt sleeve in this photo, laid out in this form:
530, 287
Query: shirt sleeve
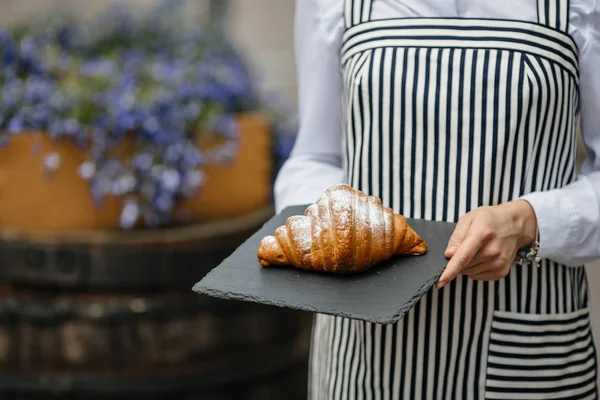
569, 217
315, 162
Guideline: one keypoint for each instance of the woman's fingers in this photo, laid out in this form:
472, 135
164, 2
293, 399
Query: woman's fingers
458, 236
485, 241
478, 235
490, 253
463, 256
476, 269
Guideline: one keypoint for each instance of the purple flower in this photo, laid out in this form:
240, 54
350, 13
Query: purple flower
72, 127
123, 184
156, 171
87, 170
56, 128
40, 117
164, 202
173, 153
98, 67
127, 101
192, 111
65, 36
227, 126
29, 59
192, 182
168, 71
170, 180
59, 103
124, 122
9, 48
192, 157
16, 124
226, 152
143, 162
151, 126
37, 90
64, 62
130, 214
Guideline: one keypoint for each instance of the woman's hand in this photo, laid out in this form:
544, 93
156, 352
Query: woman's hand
486, 241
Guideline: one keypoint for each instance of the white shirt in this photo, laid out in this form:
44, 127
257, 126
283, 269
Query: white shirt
568, 218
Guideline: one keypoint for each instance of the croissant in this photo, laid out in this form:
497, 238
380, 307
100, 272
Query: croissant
344, 232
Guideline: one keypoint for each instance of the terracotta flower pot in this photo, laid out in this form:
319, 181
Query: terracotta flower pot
33, 200
243, 185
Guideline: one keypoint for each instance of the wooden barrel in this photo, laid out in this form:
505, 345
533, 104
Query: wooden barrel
111, 316
173, 258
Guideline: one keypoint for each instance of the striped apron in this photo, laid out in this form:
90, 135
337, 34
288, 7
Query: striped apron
443, 115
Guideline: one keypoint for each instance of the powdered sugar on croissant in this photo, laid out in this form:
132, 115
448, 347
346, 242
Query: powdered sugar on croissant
345, 231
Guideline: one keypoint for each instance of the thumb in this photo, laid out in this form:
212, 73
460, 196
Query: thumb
458, 236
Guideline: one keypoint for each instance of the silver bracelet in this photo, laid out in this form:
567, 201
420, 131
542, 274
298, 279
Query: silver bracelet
529, 255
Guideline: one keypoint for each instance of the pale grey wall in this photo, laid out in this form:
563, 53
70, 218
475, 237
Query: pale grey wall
264, 30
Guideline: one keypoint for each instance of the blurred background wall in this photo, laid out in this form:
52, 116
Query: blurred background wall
263, 30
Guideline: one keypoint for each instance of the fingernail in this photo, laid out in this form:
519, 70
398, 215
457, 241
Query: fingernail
440, 285
451, 249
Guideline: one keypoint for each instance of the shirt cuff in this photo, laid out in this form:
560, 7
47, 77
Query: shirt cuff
557, 219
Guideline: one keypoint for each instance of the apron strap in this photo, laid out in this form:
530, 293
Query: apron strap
357, 11
554, 14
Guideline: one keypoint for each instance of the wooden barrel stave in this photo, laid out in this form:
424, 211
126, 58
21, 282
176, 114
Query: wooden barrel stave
149, 269
288, 384
175, 258
173, 331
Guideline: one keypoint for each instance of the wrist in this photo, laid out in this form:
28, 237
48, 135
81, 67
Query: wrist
523, 214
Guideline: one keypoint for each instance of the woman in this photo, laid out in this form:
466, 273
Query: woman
467, 111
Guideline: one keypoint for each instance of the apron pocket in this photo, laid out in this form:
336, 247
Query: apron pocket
535, 356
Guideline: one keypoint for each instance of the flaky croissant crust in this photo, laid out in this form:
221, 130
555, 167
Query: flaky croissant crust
345, 231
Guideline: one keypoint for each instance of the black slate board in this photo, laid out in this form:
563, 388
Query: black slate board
382, 294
